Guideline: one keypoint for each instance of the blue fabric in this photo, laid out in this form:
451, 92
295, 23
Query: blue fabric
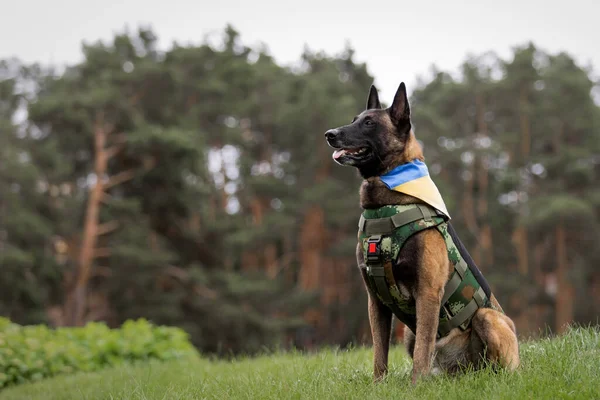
405, 173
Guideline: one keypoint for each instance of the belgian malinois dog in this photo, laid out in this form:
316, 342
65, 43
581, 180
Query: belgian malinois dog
377, 141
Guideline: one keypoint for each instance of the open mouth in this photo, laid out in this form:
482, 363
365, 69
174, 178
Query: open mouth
349, 152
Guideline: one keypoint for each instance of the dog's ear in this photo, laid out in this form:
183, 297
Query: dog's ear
400, 110
373, 100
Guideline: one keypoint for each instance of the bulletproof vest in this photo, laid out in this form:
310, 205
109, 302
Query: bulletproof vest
384, 231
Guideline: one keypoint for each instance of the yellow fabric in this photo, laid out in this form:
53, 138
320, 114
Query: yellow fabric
424, 188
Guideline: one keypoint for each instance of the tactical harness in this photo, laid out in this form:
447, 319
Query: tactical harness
383, 232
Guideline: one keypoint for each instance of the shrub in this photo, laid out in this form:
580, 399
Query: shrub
31, 353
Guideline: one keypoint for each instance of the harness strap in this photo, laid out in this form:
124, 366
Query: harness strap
463, 317
383, 239
380, 273
460, 269
385, 226
451, 287
376, 273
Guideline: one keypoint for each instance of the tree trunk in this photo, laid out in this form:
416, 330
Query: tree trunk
485, 233
312, 233
564, 293
519, 239
311, 247
289, 256
76, 300
251, 256
75, 303
270, 259
525, 125
595, 291
520, 236
469, 210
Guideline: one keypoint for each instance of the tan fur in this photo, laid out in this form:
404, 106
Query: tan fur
412, 149
430, 289
498, 334
380, 320
492, 336
424, 266
407, 151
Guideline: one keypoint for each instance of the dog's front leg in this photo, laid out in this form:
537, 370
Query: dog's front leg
428, 306
380, 318
432, 275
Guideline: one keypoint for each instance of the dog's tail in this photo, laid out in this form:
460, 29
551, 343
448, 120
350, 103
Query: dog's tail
467, 257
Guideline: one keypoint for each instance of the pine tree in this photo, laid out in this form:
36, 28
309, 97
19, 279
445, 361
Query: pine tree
498, 136
153, 221
28, 222
194, 187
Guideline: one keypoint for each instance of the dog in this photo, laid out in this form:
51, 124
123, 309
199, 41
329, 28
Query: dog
375, 142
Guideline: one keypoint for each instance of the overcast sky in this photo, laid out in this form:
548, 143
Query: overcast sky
398, 39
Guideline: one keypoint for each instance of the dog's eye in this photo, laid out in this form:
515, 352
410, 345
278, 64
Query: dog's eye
369, 122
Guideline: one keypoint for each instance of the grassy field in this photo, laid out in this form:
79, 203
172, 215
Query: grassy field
566, 367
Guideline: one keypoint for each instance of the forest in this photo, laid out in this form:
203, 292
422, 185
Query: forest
193, 187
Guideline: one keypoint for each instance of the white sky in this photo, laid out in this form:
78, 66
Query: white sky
398, 39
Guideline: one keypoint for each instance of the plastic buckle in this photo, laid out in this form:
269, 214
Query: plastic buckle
374, 249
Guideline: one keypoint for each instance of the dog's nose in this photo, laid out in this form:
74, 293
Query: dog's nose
331, 134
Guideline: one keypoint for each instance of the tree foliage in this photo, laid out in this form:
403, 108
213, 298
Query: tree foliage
217, 207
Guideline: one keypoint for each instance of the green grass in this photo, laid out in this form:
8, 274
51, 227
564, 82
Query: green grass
567, 367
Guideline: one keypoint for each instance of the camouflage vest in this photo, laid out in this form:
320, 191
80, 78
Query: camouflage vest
383, 232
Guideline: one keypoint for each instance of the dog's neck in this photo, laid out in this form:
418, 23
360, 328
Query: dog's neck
374, 193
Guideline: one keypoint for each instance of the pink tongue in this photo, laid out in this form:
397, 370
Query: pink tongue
338, 153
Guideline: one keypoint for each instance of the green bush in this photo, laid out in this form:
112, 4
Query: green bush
31, 353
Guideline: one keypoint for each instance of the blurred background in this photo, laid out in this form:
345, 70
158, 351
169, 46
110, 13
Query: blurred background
167, 160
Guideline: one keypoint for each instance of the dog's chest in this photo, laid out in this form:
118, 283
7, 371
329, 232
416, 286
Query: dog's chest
405, 276
405, 269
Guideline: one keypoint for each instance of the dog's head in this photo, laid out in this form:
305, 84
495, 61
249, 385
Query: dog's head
378, 139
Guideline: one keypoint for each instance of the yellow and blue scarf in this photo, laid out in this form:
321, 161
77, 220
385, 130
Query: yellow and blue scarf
413, 179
